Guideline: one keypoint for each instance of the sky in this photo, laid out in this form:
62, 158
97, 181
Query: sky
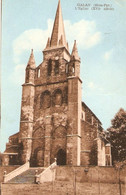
98, 26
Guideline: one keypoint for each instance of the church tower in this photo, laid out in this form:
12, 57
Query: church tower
54, 122
27, 110
50, 124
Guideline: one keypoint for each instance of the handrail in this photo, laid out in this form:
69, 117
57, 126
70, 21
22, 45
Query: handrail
47, 175
16, 172
52, 166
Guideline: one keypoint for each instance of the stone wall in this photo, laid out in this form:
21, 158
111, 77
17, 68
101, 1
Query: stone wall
74, 115
101, 152
88, 141
82, 180
52, 56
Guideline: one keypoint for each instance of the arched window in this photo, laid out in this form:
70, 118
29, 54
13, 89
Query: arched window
49, 70
73, 67
38, 133
57, 97
39, 157
45, 101
56, 67
59, 132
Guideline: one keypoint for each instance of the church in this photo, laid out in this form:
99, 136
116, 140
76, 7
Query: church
55, 122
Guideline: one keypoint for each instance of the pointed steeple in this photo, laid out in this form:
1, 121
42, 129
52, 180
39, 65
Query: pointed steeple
74, 54
31, 62
58, 33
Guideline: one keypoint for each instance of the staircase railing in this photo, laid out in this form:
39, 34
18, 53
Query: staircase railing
47, 175
16, 172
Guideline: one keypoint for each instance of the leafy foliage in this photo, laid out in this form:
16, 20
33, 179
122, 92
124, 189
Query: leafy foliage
117, 136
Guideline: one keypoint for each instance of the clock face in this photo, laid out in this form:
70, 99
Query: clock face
56, 58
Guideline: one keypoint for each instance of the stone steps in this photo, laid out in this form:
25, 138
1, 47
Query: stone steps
27, 176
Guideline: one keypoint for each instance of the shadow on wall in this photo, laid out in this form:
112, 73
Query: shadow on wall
93, 156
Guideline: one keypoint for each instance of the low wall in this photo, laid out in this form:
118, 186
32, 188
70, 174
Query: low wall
90, 174
75, 180
94, 180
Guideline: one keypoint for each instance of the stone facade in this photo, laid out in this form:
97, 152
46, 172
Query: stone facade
55, 123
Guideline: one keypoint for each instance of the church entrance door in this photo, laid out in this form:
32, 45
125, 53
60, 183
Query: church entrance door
61, 157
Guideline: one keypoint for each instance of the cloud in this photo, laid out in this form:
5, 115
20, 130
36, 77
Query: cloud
18, 75
91, 85
33, 38
108, 54
84, 32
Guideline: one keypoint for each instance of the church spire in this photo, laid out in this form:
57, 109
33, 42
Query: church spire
74, 54
31, 61
48, 43
58, 34
30, 69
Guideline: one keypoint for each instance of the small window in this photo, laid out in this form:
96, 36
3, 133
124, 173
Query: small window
49, 67
56, 67
38, 72
83, 115
108, 160
73, 68
66, 68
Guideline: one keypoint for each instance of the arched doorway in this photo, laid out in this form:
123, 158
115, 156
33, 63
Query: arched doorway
38, 158
61, 157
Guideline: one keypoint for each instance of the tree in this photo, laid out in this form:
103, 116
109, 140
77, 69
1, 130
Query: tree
117, 136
